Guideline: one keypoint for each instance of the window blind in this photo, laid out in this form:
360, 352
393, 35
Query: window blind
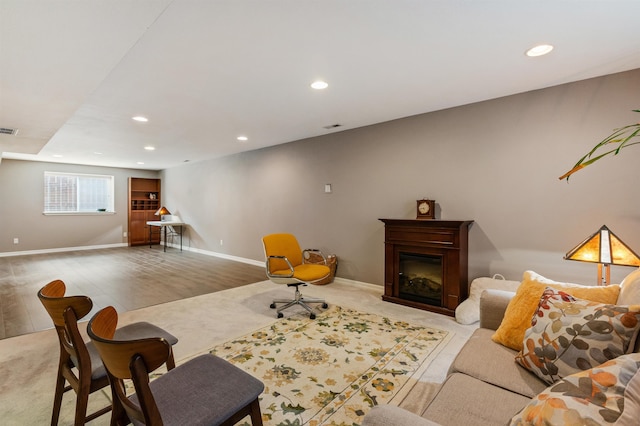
77, 193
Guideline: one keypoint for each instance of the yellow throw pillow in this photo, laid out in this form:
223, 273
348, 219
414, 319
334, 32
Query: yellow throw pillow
517, 317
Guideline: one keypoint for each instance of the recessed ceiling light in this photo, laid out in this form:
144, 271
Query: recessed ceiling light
150, 148
57, 155
140, 118
541, 49
242, 138
97, 153
319, 85
140, 162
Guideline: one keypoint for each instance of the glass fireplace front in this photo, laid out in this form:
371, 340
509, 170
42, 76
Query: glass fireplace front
421, 278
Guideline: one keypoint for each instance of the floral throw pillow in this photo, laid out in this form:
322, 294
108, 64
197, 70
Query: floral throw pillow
593, 397
568, 335
517, 317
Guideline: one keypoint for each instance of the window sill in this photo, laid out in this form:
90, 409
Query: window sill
77, 213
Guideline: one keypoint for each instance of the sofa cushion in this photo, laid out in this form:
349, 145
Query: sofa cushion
385, 415
493, 363
468, 311
594, 396
493, 305
570, 335
463, 400
517, 318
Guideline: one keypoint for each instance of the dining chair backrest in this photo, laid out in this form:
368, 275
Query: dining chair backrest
75, 364
129, 359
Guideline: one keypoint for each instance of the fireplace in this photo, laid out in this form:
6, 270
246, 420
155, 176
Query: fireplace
420, 278
426, 263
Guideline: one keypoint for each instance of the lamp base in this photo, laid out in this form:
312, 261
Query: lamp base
606, 280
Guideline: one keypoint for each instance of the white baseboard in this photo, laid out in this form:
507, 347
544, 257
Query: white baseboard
102, 246
220, 255
62, 249
262, 264
177, 246
358, 283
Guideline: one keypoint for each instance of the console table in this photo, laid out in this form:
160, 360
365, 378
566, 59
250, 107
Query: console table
426, 263
164, 224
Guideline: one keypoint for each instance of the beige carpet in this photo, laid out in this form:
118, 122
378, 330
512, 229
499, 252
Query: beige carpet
28, 363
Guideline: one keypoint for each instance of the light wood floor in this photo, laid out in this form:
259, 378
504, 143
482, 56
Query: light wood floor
127, 278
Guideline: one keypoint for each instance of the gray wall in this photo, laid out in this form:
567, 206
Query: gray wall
22, 204
495, 162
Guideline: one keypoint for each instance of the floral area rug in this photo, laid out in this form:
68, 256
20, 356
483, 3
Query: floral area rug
332, 370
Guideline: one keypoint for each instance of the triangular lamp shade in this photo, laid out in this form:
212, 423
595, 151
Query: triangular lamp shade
604, 247
162, 211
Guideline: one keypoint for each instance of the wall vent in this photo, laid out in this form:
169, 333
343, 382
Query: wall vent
332, 126
8, 131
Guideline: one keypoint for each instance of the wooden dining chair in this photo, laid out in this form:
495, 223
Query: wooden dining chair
205, 390
79, 364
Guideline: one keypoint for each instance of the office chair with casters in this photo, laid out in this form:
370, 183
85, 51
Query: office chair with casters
206, 390
287, 264
80, 364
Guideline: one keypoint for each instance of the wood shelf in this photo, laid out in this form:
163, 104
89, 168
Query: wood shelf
145, 205
144, 201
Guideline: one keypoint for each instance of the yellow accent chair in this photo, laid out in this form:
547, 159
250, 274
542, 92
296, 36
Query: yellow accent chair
287, 264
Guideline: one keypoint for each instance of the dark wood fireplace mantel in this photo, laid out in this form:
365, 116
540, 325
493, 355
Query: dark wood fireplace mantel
426, 263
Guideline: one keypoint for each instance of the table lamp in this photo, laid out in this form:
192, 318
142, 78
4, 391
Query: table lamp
162, 211
605, 249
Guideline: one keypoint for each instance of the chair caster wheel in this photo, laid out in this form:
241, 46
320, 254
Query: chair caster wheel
312, 316
272, 306
325, 306
280, 314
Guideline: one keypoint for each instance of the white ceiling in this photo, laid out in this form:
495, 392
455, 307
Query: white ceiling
73, 73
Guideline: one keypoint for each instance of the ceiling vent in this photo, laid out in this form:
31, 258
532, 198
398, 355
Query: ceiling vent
332, 126
7, 131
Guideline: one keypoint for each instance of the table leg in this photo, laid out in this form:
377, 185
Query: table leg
165, 238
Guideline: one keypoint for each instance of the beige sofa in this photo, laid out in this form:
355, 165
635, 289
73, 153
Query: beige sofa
484, 385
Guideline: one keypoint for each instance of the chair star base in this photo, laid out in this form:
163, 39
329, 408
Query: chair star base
299, 300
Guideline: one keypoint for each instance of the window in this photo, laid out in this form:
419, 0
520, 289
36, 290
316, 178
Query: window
76, 193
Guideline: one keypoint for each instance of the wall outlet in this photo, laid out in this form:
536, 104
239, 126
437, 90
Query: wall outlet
124, 234
16, 241
220, 242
